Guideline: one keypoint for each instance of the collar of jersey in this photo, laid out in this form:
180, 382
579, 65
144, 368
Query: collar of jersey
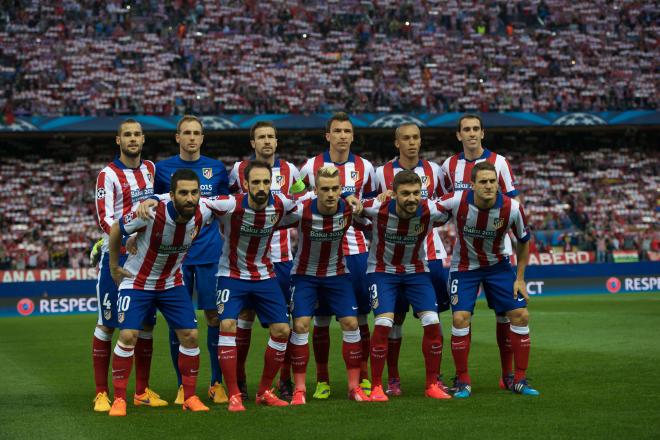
121, 165
396, 165
244, 203
485, 155
326, 158
498, 201
315, 207
392, 208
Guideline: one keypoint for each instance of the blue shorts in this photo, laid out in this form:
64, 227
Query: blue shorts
357, 266
106, 294
439, 279
201, 279
283, 276
336, 292
133, 306
497, 281
264, 296
416, 288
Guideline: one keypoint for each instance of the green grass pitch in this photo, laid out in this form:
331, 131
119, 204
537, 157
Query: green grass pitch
595, 359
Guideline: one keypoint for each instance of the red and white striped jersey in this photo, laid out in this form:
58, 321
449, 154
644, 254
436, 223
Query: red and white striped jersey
161, 246
430, 174
357, 176
480, 233
284, 175
248, 233
397, 244
118, 189
457, 173
320, 251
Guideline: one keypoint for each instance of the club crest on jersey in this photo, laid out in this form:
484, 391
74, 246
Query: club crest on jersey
355, 176
341, 222
498, 223
193, 232
279, 180
274, 218
454, 300
120, 317
419, 228
425, 180
150, 178
207, 172
107, 314
221, 308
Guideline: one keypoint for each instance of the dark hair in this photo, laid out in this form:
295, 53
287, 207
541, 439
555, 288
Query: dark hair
482, 166
406, 177
469, 116
182, 174
126, 121
256, 164
405, 124
189, 118
339, 117
261, 124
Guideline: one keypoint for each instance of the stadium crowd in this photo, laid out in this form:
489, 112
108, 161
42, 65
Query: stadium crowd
580, 200
87, 57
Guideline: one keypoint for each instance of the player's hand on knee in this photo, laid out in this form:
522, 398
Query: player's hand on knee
131, 244
520, 289
119, 273
145, 209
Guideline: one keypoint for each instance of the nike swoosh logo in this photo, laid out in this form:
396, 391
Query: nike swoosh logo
225, 352
521, 299
354, 308
354, 353
194, 371
524, 341
436, 347
99, 351
117, 371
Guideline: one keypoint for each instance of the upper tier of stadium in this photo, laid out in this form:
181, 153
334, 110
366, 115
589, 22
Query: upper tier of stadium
117, 57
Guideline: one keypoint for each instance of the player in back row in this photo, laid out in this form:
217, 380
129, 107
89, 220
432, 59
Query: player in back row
408, 140
201, 263
263, 139
357, 178
457, 171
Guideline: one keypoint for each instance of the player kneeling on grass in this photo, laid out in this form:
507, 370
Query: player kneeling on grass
397, 266
483, 217
319, 273
153, 277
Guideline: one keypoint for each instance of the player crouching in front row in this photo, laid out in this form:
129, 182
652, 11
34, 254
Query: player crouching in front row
483, 217
153, 277
397, 266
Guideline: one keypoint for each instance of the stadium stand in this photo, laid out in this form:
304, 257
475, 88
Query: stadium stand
88, 57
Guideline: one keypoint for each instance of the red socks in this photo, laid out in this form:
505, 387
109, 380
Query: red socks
189, 367
378, 353
242, 338
143, 352
504, 344
228, 355
365, 339
520, 343
321, 345
101, 360
460, 348
432, 350
273, 359
122, 363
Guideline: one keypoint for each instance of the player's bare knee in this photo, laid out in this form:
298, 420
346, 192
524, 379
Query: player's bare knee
399, 318
128, 337
247, 315
461, 319
188, 337
212, 318
519, 317
279, 330
301, 325
228, 326
348, 323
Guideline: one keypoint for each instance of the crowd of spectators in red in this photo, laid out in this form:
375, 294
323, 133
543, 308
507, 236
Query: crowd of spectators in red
101, 58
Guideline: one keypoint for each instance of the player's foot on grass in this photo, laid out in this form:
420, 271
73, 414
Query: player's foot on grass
443, 385
463, 390
217, 393
118, 408
236, 403
322, 390
269, 398
299, 397
393, 387
366, 386
194, 404
506, 382
434, 391
523, 388
285, 388
148, 398
358, 395
179, 396
102, 402
378, 395
242, 386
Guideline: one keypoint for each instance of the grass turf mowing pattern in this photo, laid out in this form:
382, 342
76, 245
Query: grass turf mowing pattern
594, 359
